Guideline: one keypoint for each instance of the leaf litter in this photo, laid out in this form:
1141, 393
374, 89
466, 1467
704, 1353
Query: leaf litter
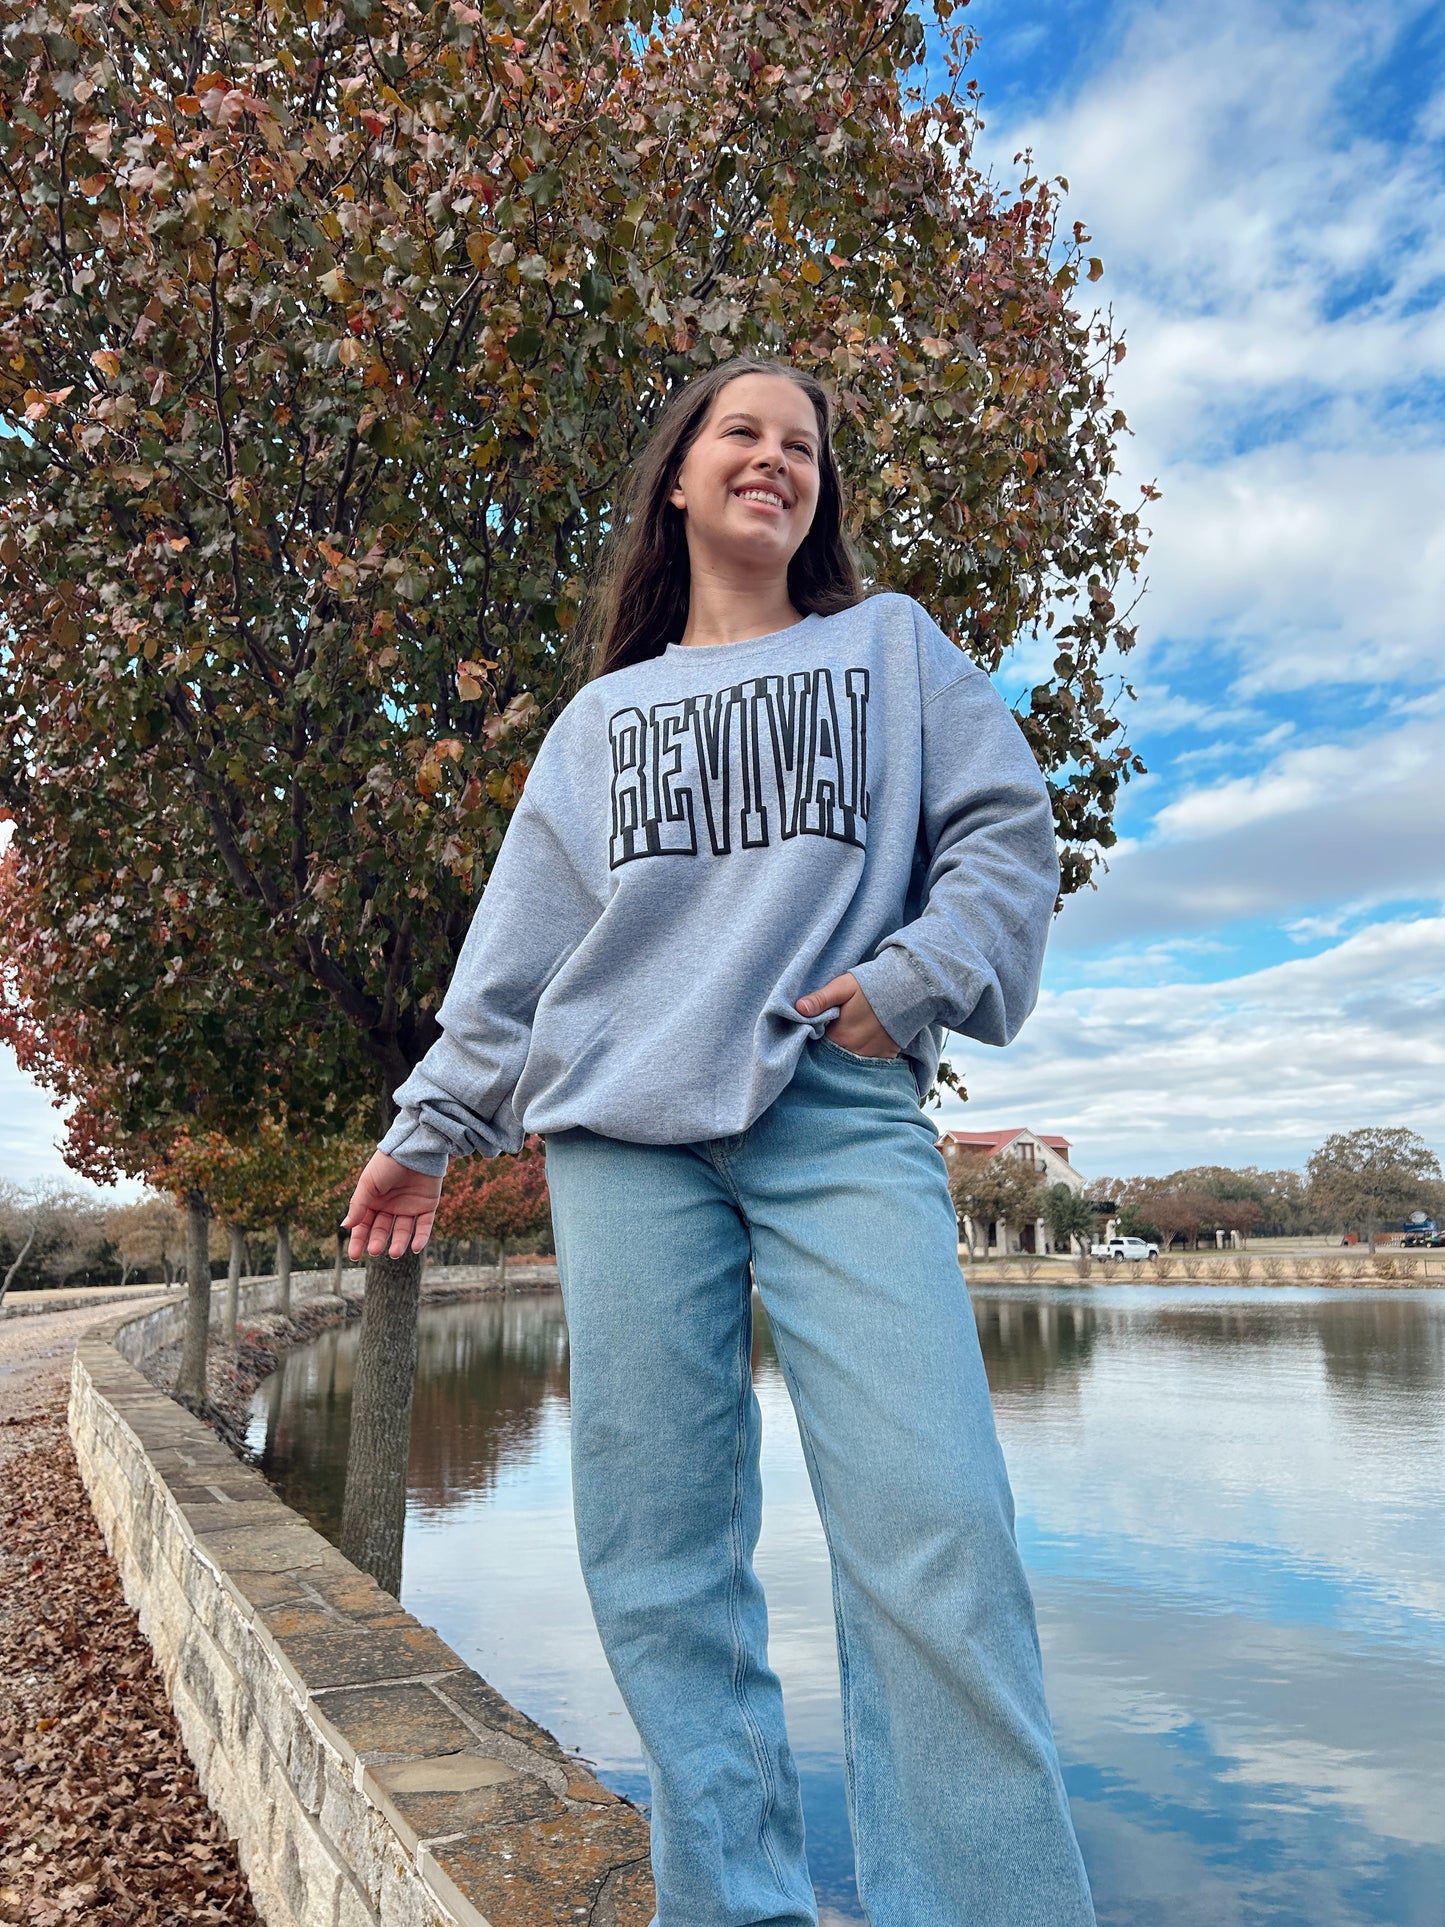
101, 1816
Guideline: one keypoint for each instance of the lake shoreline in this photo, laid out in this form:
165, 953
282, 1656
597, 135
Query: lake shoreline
1208, 1277
235, 1371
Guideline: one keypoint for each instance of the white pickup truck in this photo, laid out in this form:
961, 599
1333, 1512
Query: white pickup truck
1132, 1250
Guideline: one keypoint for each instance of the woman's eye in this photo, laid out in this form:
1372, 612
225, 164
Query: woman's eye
798, 448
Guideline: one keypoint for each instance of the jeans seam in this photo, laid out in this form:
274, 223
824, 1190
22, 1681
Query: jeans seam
719, 1160
845, 1668
754, 1731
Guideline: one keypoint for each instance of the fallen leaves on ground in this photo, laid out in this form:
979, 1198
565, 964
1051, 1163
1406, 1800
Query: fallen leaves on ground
101, 1817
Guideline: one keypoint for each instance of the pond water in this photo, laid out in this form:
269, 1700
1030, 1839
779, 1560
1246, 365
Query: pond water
1230, 1508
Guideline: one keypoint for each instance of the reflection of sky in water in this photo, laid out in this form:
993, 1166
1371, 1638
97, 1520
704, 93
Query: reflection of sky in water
1230, 1512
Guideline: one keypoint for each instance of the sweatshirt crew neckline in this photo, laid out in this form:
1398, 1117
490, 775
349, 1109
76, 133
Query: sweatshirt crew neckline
713, 650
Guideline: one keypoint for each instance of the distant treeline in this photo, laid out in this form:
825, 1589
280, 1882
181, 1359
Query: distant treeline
66, 1238
1361, 1181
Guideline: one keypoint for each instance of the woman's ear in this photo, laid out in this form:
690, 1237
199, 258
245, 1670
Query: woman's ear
677, 498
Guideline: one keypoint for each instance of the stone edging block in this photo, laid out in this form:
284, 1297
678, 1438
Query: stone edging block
368, 1777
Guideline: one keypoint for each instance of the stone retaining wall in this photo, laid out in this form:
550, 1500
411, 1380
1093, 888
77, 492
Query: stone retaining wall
35, 1304
369, 1778
151, 1331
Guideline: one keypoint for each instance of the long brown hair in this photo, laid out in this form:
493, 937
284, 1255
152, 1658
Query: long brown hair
637, 600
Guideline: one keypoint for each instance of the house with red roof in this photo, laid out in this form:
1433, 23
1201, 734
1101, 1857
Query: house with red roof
1044, 1154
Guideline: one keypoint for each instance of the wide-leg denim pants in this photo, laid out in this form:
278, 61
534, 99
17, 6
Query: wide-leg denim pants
837, 1197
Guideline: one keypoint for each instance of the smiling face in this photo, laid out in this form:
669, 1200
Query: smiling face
748, 486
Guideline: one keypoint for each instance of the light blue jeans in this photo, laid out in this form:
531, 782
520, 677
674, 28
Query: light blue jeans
838, 1196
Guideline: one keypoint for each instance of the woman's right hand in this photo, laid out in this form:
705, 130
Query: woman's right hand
391, 1209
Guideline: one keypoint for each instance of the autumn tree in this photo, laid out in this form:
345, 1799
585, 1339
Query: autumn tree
1201, 1199
281, 1182
317, 330
325, 335
276, 1175
501, 1199
1240, 1217
993, 1190
156, 1050
1179, 1205
1244, 1201
1283, 1199
1360, 1180
333, 1164
232, 1199
188, 1165
149, 1231
1166, 1209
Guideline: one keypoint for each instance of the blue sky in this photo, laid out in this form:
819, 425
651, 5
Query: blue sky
1264, 963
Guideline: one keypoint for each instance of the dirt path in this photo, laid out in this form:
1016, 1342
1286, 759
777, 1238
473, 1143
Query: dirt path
101, 1818
35, 1364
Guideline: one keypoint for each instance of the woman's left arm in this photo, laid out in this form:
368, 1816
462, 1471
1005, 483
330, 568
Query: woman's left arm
972, 959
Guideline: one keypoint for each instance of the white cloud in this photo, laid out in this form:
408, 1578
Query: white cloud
1312, 929
1228, 748
1306, 566
1258, 1069
1231, 195
1431, 123
1304, 779
1164, 712
1316, 829
1274, 269
1149, 963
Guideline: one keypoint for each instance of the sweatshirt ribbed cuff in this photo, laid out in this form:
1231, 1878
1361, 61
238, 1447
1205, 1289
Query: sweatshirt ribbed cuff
418, 1145
902, 1001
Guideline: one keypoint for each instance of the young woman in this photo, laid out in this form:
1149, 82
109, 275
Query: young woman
781, 837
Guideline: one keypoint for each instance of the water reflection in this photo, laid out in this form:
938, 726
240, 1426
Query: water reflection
1387, 1348
1230, 1511
486, 1374
1031, 1344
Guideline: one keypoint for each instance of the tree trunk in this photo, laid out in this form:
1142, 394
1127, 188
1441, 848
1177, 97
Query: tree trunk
24, 1249
342, 1239
502, 1263
373, 1512
191, 1383
283, 1268
233, 1281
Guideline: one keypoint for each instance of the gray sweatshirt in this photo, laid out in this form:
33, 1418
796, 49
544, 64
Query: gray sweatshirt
705, 837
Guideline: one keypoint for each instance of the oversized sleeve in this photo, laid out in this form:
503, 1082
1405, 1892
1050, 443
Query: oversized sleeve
972, 958
534, 911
